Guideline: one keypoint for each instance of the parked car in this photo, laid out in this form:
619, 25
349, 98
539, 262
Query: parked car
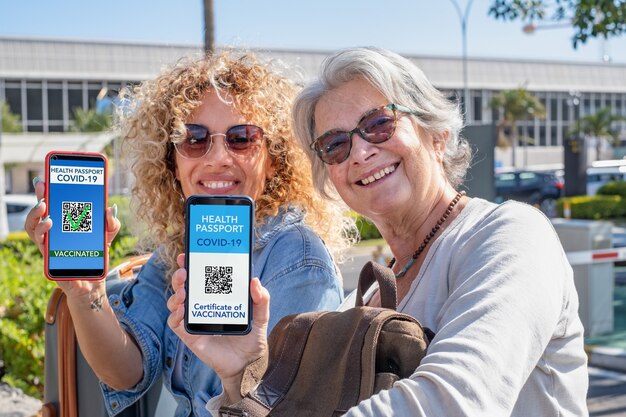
541, 189
598, 176
18, 206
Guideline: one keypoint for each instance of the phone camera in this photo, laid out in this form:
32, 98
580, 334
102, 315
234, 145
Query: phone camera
54, 158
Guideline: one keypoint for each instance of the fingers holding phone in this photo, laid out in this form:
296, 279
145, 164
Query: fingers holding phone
227, 355
37, 224
75, 244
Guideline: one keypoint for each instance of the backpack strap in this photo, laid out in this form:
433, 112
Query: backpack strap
372, 272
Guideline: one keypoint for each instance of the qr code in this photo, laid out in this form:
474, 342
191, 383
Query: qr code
218, 279
76, 217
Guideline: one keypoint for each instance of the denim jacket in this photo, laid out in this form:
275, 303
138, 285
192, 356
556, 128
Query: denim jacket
291, 261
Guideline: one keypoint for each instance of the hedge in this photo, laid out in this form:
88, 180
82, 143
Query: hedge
24, 295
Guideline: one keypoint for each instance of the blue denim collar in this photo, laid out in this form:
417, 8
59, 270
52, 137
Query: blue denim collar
274, 224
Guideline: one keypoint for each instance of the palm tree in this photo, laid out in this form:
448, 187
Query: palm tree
518, 104
91, 120
209, 28
598, 126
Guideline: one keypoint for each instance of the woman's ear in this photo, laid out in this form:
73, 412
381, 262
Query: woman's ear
440, 141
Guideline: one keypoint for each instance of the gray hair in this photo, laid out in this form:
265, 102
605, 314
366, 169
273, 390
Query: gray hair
400, 81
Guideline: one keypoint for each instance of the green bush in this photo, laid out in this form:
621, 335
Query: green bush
594, 207
24, 295
367, 229
614, 188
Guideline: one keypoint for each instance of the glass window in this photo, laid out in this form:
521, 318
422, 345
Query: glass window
527, 178
55, 128
35, 127
478, 108
75, 100
587, 106
55, 104
553, 109
14, 100
505, 180
34, 104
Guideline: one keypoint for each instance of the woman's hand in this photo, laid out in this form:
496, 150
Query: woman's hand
227, 355
37, 229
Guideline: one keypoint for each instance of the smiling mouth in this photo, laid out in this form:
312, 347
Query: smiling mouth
378, 175
214, 185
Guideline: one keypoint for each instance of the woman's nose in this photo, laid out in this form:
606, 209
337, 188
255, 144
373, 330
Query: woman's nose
361, 150
218, 153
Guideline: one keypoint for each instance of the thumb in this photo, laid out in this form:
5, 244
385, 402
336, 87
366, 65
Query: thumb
260, 303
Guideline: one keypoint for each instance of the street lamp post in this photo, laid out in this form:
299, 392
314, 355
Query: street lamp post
463, 15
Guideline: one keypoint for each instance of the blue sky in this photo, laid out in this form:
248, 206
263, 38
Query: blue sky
427, 27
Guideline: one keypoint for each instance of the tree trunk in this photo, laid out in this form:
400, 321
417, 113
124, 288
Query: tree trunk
209, 28
4, 221
514, 137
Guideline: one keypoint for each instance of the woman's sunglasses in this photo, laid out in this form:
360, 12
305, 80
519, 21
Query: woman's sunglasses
238, 140
376, 126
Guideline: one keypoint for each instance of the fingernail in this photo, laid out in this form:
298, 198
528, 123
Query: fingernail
35, 181
115, 211
45, 219
39, 203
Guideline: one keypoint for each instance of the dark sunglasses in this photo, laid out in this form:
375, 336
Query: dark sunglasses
237, 139
376, 126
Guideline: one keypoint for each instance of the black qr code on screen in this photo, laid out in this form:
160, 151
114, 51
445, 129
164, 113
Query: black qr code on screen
76, 217
218, 279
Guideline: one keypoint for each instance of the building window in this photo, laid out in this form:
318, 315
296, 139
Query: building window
554, 109
14, 100
55, 104
74, 101
34, 104
478, 108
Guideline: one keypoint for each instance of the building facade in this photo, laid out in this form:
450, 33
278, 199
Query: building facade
44, 81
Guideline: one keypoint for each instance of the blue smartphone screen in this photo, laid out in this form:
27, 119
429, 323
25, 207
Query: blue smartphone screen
219, 242
76, 206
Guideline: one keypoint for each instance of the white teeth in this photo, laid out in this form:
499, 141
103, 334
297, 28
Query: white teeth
378, 175
218, 184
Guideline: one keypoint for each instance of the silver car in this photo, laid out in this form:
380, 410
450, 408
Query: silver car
18, 206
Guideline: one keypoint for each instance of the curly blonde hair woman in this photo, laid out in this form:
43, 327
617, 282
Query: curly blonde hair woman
162, 107
216, 125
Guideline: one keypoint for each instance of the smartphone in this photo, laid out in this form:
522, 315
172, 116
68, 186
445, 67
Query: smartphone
76, 200
218, 260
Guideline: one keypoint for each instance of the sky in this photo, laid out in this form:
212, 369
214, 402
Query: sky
413, 27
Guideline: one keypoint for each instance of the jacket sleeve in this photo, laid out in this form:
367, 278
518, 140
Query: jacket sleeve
145, 322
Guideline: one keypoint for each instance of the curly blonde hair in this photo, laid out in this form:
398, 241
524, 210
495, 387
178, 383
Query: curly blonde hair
153, 120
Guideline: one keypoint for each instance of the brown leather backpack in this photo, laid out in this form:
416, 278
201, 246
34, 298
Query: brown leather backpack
323, 363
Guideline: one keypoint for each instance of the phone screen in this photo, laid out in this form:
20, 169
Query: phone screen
218, 258
76, 204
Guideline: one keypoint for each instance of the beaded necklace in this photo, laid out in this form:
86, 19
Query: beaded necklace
429, 236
